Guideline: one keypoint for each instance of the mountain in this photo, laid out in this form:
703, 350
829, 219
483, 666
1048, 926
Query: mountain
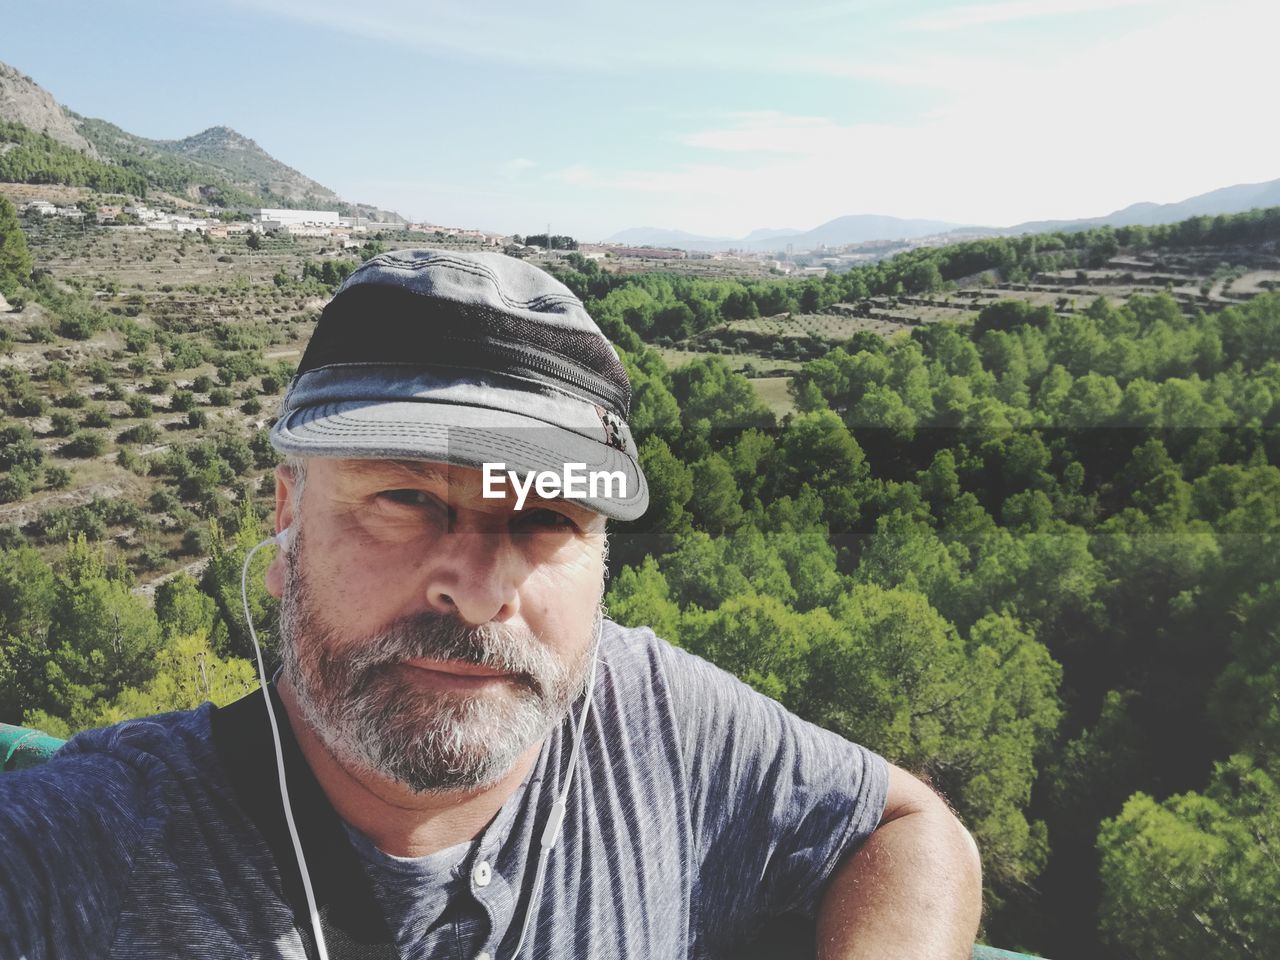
25, 102
842, 230
218, 165
863, 228
769, 233
1233, 199
658, 237
210, 162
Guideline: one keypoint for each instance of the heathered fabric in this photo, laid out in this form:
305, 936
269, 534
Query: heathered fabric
700, 811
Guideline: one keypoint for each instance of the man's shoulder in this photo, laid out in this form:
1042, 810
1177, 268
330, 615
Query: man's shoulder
177, 741
125, 771
77, 825
637, 658
637, 655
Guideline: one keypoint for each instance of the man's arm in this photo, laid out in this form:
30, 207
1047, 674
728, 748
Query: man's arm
912, 890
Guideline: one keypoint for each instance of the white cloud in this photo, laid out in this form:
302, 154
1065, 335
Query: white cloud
583, 36
1016, 10
1001, 132
516, 166
1158, 114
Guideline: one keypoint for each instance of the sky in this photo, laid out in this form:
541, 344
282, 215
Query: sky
716, 117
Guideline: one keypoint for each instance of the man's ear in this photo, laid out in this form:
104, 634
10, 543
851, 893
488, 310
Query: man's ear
284, 518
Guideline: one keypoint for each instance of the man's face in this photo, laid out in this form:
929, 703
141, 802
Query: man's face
429, 634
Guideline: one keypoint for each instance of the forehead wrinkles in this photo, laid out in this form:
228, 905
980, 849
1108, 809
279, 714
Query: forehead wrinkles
382, 470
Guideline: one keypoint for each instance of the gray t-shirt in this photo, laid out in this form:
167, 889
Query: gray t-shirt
701, 810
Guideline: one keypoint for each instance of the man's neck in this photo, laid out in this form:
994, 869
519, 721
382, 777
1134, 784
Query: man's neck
398, 821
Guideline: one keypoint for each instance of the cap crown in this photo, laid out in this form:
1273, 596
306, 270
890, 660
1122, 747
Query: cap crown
472, 312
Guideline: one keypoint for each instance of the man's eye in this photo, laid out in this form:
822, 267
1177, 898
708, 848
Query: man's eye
409, 498
542, 518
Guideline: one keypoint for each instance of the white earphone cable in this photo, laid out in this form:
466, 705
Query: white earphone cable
275, 736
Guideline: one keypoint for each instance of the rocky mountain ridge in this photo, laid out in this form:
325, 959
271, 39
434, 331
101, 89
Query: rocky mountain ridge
217, 165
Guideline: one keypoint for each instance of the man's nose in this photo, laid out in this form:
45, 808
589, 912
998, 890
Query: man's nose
476, 576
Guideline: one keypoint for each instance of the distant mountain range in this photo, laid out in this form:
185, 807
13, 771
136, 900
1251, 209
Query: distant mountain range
859, 228
866, 228
217, 165
1234, 199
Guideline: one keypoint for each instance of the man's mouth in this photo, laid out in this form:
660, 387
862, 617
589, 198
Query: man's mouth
460, 675
457, 668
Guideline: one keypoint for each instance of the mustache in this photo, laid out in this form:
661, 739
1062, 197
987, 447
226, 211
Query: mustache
508, 648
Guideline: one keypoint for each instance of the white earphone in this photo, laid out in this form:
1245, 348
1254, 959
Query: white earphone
555, 819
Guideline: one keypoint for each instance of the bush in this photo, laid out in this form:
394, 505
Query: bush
163, 501
151, 558
18, 448
202, 383
82, 321
220, 397
195, 541
96, 417
251, 406
39, 333
84, 444
139, 405
197, 419
59, 373
61, 524
126, 459
99, 371
182, 401
27, 403
137, 340
142, 433
62, 424
71, 401
57, 478
17, 484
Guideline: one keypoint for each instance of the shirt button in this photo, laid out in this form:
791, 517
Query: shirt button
482, 874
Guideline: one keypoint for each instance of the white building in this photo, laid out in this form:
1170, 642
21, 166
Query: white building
284, 219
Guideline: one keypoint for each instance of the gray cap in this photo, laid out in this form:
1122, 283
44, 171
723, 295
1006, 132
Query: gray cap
468, 359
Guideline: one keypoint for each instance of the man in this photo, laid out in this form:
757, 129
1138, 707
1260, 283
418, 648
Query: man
477, 763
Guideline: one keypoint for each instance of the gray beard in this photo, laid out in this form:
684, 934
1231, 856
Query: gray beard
365, 708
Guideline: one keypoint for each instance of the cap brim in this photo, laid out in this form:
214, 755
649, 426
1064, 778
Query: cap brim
466, 436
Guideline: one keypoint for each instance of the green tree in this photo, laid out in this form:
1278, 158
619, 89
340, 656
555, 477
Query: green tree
715, 507
759, 639
221, 581
640, 596
101, 637
15, 258
27, 595
1196, 875
184, 609
187, 674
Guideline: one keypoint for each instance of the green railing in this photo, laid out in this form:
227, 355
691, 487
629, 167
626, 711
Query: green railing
21, 748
